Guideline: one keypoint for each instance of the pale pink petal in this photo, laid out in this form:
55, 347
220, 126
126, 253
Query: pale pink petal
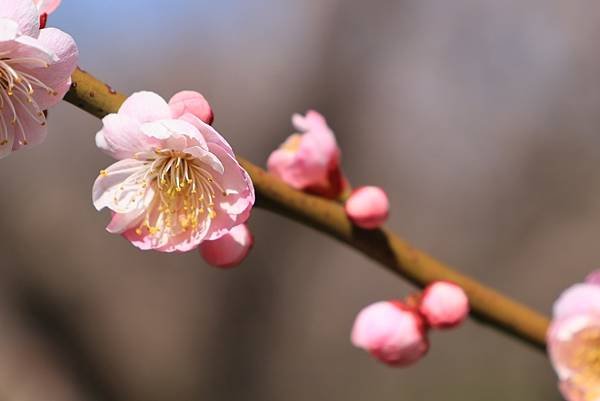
193, 103
572, 392
47, 6
121, 137
234, 207
121, 187
146, 107
390, 332
230, 249
8, 30
33, 132
208, 132
24, 13
122, 222
578, 299
58, 74
174, 134
444, 305
367, 207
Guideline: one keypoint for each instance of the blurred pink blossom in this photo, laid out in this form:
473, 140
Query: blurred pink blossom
35, 73
176, 182
392, 332
574, 341
367, 207
310, 160
229, 250
444, 305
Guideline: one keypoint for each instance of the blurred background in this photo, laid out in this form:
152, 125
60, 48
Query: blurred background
480, 117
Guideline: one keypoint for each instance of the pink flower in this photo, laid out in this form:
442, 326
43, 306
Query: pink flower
444, 305
310, 161
367, 207
47, 6
35, 73
574, 342
177, 182
392, 332
229, 250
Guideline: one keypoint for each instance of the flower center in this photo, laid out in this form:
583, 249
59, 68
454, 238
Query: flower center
585, 360
185, 193
16, 93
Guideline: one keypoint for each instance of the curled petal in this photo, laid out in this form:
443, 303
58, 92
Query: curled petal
368, 207
578, 299
230, 249
193, 103
444, 305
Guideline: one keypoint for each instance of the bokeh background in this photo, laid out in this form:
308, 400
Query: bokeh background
480, 117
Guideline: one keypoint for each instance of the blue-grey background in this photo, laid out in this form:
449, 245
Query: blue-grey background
481, 118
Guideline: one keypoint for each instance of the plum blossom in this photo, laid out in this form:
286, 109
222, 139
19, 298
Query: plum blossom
35, 73
574, 340
229, 250
367, 207
444, 305
310, 160
176, 182
392, 332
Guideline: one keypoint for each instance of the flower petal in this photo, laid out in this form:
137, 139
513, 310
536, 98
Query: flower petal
121, 137
208, 132
145, 107
58, 74
174, 134
47, 6
578, 299
193, 103
24, 13
122, 188
8, 29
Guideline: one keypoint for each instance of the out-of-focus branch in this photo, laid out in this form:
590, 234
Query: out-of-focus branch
383, 245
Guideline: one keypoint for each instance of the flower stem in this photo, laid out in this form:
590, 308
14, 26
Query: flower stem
383, 246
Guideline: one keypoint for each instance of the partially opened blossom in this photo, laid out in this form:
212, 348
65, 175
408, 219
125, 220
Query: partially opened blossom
229, 250
176, 182
444, 305
574, 342
35, 73
367, 207
392, 332
310, 160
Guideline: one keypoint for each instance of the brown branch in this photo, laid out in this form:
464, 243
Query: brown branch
383, 246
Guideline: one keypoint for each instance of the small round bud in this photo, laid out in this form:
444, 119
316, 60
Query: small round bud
368, 207
444, 305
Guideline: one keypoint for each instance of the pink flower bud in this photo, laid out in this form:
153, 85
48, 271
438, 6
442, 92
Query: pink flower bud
193, 103
444, 305
391, 332
310, 160
368, 207
229, 250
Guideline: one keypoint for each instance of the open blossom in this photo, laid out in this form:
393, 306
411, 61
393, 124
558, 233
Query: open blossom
574, 341
391, 332
35, 73
177, 182
229, 250
368, 207
310, 160
444, 305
